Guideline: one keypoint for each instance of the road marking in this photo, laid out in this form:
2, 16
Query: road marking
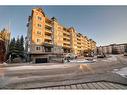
91, 86
61, 87
121, 86
101, 85
79, 86
68, 87
73, 87
85, 86
96, 86
56, 87
107, 85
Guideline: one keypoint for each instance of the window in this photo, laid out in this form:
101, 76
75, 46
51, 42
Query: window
39, 40
39, 32
39, 25
39, 18
38, 48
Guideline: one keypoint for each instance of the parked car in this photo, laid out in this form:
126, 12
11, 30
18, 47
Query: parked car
125, 54
70, 56
89, 55
101, 56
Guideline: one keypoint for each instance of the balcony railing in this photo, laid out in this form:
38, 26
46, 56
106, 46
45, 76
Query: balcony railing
48, 31
66, 37
48, 37
67, 46
48, 42
66, 42
67, 33
48, 24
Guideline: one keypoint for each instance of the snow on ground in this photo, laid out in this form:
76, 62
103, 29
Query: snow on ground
122, 72
82, 61
110, 59
37, 67
113, 58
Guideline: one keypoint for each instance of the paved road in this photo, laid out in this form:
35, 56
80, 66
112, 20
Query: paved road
46, 76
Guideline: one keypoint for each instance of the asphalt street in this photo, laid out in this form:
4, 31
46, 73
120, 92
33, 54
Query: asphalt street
27, 76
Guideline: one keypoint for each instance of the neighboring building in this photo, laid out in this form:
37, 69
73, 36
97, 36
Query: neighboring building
2, 50
119, 48
122, 47
47, 36
112, 49
4, 42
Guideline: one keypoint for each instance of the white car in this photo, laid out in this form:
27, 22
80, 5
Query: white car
70, 56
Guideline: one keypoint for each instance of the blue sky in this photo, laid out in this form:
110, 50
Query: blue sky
104, 24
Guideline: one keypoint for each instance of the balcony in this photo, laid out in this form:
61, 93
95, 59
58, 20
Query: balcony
48, 24
78, 43
48, 37
66, 42
66, 33
66, 46
66, 37
78, 39
46, 42
48, 31
48, 21
48, 27
79, 48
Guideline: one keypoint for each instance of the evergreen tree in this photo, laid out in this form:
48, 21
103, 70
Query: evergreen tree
16, 48
21, 47
22, 44
12, 49
12, 45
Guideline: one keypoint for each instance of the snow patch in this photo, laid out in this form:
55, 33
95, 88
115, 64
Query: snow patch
122, 72
82, 61
35, 67
112, 58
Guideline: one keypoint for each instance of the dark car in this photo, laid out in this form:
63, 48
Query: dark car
125, 54
101, 56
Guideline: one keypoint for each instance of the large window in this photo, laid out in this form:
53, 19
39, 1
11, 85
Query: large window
38, 48
39, 32
38, 40
39, 18
39, 25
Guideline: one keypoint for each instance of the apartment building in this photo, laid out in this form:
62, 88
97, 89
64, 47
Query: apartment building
112, 49
46, 36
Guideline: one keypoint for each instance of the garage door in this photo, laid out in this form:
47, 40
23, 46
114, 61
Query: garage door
41, 60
